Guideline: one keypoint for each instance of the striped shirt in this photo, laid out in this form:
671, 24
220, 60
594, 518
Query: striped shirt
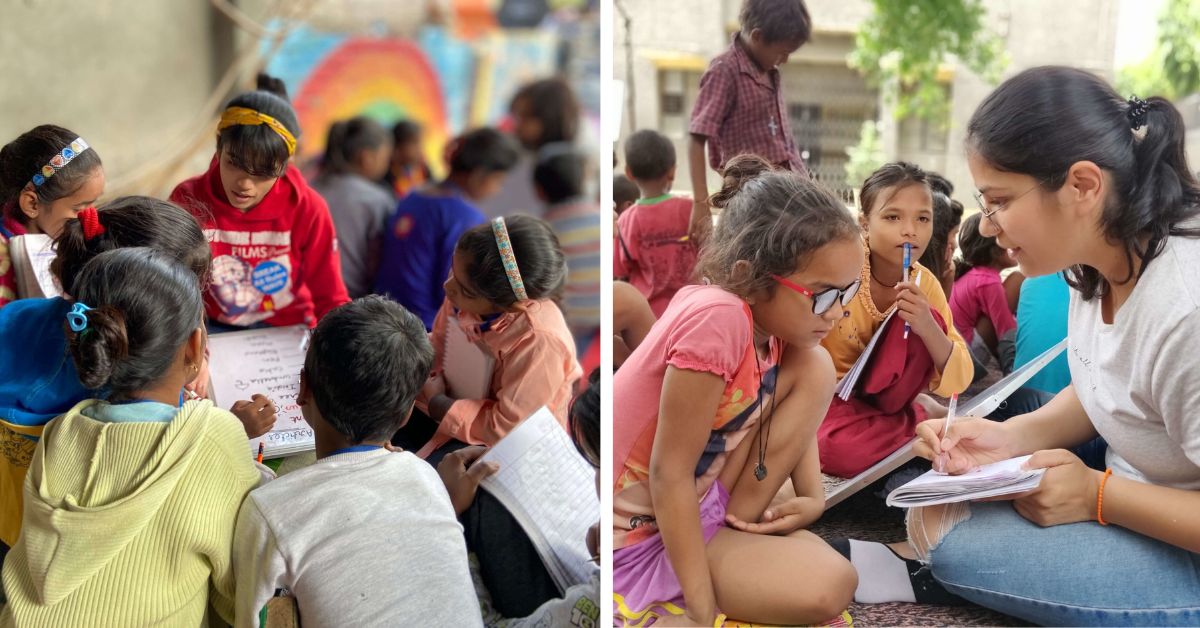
577, 224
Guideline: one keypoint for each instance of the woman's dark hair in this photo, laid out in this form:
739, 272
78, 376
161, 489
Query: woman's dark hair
366, 363
483, 150
146, 306
1043, 120
25, 157
773, 219
584, 420
347, 139
133, 221
947, 214
553, 102
405, 131
977, 249
893, 176
256, 148
539, 259
777, 20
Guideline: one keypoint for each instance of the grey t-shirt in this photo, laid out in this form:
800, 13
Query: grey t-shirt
359, 209
1139, 378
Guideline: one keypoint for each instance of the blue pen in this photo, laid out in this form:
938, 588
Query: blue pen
907, 268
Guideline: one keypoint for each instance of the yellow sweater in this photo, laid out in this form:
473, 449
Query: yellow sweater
129, 523
851, 335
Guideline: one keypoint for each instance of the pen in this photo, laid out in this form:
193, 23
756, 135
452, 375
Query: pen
260, 453
907, 267
949, 416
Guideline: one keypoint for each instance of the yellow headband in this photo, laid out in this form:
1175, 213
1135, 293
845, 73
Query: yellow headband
249, 117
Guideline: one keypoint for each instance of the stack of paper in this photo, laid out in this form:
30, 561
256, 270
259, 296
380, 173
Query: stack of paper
991, 480
845, 388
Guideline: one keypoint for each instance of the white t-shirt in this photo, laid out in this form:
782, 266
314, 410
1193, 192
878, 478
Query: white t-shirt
360, 539
1139, 378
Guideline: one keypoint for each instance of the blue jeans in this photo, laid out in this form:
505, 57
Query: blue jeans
1079, 574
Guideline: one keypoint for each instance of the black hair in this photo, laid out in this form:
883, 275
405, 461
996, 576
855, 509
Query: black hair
347, 139
539, 259
977, 249
947, 214
649, 155
256, 148
366, 363
895, 175
625, 190
777, 20
1043, 120
145, 307
559, 173
405, 131
553, 102
584, 420
133, 221
484, 150
25, 157
773, 219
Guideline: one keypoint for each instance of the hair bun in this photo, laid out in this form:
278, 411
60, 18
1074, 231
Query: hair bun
266, 83
737, 172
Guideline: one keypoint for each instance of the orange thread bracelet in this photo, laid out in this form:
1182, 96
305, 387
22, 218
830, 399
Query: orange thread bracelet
1100, 498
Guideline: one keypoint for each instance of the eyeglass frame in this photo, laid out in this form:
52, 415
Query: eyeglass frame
983, 207
842, 295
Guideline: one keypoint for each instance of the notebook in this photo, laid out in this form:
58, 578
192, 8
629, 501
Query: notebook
466, 367
1005, 477
31, 256
268, 362
845, 388
551, 491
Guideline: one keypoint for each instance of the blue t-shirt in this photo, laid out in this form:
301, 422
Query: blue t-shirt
1041, 324
38, 380
418, 250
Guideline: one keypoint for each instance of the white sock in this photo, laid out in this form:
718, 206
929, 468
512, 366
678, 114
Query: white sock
882, 576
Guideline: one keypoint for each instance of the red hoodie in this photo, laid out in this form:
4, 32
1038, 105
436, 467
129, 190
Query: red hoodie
276, 262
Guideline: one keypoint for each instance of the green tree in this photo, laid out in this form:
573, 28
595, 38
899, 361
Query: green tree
865, 157
1178, 46
904, 43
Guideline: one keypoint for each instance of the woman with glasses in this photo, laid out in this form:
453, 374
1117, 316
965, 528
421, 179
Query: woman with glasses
1074, 178
718, 406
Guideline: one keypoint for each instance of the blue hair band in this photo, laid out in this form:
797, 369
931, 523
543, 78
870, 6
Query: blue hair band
77, 317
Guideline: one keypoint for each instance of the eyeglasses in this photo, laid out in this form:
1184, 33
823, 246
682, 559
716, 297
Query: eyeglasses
989, 210
824, 299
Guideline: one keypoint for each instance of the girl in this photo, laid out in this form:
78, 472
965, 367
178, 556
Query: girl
500, 293
37, 380
1074, 178
719, 405
947, 219
47, 175
419, 239
896, 210
132, 501
274, 251
408, 170
979, 301
356, 155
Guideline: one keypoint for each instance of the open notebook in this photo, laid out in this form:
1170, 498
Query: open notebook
268, 362
465, 366
845, 388
551, 491
31, 256
1005, 477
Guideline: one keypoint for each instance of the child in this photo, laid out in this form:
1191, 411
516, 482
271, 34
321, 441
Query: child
575, 219
408, 170
947, 218
356, 155
419, 239
46, 175
274, 249
896, 210
347, 535
978, 301
500, 292
131, 502
718, 407
632, 320
655, 252
625, 193
38, 381
740, 107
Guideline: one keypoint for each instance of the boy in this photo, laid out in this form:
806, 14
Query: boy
625, 193
365, 536
740, 107
654, 250
558, 179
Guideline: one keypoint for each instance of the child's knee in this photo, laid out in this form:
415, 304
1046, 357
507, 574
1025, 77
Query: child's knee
929, 525
837, 581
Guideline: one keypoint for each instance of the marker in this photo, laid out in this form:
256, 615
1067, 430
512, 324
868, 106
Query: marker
950, 416
260, 449
907, 268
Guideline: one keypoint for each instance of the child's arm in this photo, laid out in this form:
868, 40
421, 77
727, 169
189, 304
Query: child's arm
701, 221
995, 306
258, 566
624, 262
322, 270
716, 98
679, 440
951, 359
437, 338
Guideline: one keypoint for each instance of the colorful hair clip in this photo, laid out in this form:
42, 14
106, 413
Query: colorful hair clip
60, 161
500, 230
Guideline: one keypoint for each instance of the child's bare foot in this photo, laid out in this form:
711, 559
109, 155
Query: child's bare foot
934, 409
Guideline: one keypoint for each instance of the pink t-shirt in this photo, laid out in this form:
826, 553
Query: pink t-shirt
980, 293
704, 329
652, 249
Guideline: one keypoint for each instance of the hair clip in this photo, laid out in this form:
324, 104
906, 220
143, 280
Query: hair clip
77, 317
1137, 111
500, 230
60, 161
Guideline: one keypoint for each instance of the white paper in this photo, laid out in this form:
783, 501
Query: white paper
266, 362
991, 480
845, 388
465, 366
31, 257
551, 490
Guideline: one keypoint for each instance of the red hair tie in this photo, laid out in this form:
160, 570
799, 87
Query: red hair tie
90, 219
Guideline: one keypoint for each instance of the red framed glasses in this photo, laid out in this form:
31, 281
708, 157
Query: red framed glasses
824, 299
